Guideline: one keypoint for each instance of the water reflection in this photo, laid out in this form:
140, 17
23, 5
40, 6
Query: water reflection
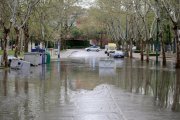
16, 85
5, 75
176, 102
25, 96
58, 84
148, 80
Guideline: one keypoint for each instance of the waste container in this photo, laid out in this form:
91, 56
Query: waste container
15, 64
38, 50
40, 58
44, 58
48, 60
33, 57
20, 64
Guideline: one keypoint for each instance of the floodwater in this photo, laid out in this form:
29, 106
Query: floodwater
91, 89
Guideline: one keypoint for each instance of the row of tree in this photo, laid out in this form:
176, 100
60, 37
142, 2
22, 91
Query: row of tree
144, 22
43, 20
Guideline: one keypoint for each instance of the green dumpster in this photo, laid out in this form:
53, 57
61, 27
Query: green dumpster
48, 59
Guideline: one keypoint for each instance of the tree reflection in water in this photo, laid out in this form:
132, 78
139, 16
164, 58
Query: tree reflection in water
175, 105
148, 79
5, 76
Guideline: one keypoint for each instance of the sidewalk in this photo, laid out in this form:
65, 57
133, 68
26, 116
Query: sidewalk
169, 57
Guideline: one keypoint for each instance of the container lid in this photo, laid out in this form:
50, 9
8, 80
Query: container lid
32, 53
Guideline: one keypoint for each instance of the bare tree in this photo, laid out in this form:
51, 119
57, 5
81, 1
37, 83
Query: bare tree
5, 23
20, 11
142, 10
172, 8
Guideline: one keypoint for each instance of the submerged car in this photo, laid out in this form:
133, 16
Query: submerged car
93, 48
117, 54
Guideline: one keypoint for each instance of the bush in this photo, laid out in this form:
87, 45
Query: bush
137, 51
152, 54
11, 52
77, 43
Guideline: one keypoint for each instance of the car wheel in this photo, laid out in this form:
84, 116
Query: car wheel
97, 50
88, 50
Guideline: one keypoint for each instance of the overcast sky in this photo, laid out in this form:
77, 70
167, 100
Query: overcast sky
86, 3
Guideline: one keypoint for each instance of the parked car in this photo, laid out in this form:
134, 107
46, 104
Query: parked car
117, 54
93, 48
134, 48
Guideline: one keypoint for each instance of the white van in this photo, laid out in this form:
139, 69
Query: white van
110, 48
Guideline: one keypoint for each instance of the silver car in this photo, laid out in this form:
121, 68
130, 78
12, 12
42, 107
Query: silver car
93, 48
117, 54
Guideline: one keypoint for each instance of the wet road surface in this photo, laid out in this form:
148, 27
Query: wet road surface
90, 88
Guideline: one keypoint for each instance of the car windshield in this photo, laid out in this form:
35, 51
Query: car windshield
112, 48
93, 47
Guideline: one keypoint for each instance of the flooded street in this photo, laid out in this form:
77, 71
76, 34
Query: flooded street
91, 89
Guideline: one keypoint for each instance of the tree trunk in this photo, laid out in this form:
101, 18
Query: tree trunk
131, 45
163, 50
5, 79
177, 47
126, 50
21, 41
2, 46
5, 55
66, 30
142, 49
16, 42
147, 51
118, 45
26, 37
62, 43
101, 41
